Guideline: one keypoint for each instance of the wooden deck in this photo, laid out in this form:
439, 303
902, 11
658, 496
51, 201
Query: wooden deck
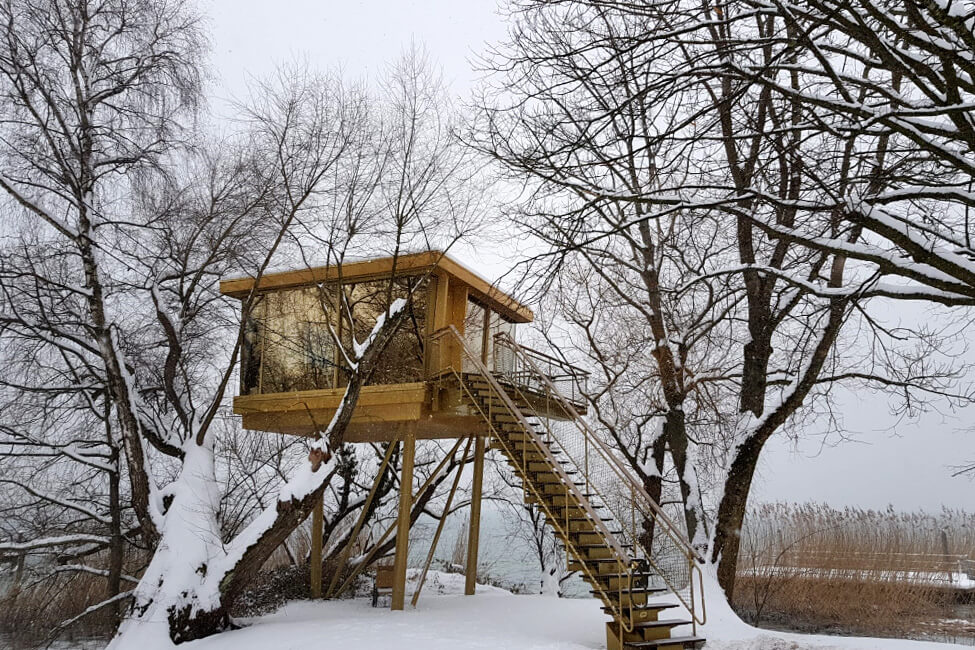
433, 409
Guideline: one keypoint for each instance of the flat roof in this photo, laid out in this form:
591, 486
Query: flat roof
480, 290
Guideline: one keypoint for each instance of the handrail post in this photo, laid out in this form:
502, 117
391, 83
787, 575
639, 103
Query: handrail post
690, 579
586, 445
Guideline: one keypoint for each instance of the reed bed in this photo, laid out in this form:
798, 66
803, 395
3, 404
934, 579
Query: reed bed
813, 568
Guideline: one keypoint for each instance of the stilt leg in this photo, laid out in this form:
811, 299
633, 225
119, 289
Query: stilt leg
474, 525
403, 522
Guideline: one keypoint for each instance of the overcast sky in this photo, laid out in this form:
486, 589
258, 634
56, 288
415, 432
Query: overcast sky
906, 464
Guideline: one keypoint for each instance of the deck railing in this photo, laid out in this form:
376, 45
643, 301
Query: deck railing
527, 368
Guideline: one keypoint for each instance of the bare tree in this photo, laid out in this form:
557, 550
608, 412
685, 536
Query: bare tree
137, 228
654, 175
892, 77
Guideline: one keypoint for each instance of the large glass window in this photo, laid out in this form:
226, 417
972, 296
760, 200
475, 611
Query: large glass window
475, 340
402, 361
288, 346
473, 332
289, 340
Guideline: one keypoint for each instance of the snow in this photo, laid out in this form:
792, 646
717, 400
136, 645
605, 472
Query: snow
443, 620
494, 618
954, 580
63, 540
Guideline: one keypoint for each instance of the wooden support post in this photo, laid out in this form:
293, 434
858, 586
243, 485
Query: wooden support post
486, 339
474, 525
317, 532
456, 316
403, 522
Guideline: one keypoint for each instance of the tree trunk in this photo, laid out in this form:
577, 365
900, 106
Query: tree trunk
731, 514
654, 487
115, 548
731, 510
174, 591
754, 380
675, 431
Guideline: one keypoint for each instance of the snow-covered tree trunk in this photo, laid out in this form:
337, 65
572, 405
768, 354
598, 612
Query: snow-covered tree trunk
194, 578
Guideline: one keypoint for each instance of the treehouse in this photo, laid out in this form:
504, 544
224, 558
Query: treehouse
453, 369
291, 370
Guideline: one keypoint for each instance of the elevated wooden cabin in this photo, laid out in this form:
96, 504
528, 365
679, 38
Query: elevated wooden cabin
291, 378
454, 370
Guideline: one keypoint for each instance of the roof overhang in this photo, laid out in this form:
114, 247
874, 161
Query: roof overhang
436, 262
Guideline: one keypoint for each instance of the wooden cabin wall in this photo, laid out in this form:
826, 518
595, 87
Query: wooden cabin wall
449, 308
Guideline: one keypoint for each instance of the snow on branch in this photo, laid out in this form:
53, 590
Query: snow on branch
361, 348
81, 568
59, 501
125, 595
48, 542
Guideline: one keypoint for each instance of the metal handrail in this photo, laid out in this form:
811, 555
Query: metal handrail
624, 472
626, 477
570, 370
626, 569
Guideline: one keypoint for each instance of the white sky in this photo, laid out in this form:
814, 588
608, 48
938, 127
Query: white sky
906, 465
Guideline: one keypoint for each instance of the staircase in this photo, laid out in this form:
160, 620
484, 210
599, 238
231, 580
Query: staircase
615, 535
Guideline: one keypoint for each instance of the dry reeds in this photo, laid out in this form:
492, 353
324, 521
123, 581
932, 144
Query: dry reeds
811, 567
39, 606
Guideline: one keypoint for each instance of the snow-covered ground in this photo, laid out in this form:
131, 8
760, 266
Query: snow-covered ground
494, 618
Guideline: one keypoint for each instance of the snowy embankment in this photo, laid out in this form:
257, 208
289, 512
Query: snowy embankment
494, 618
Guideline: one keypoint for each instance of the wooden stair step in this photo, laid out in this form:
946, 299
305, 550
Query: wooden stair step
611, 583
642, 576
655, 607
582, 517
574, 504
637, 590
574, 541
521, 450
522, 446
614, 533
586, 495
566, 471
601, 560
664, 622
683, 641
599, 546
562, 493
